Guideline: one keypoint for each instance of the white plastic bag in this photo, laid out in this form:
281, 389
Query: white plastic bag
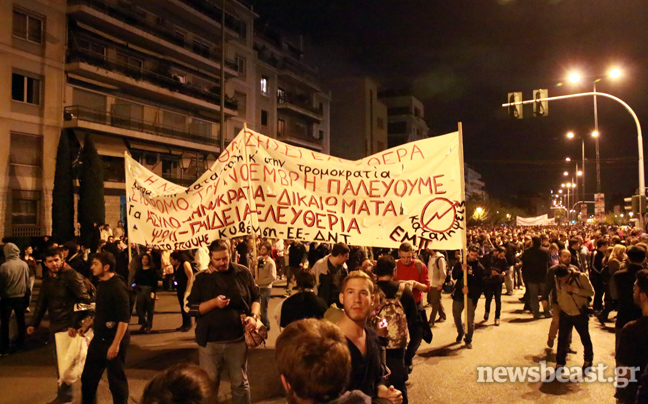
71, 355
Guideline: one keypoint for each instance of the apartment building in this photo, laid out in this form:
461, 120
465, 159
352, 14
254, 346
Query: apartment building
293, 105
475, 186
358, 118
406, 116
144, 77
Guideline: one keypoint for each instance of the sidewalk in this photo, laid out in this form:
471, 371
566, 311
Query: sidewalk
29, 377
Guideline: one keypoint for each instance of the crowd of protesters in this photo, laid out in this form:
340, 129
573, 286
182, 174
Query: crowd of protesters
378, 298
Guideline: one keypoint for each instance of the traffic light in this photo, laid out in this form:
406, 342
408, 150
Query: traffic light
515, 111
540, 108
638, 204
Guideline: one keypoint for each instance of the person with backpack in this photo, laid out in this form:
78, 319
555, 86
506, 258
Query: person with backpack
415, 274
437, 266
573, 289
398, 310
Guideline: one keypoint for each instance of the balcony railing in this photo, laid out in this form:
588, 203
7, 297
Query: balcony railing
213, 11
123, 13
141, 74
184, 181
126, 122
302, 101
300, 135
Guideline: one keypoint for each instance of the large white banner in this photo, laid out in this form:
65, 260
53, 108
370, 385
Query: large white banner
535, 221
412, 192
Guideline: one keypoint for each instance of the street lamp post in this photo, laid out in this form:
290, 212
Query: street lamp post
574, 78
642, 179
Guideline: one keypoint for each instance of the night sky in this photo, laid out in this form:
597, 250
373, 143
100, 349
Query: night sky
462, 57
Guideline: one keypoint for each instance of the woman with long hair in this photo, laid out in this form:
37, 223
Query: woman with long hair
614, 263
146, 283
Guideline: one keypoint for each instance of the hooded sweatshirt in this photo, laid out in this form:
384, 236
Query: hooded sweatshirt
14, 273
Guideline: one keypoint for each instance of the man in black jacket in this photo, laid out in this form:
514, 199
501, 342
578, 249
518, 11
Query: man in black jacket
226, 302
476, 274
624, 280
535, 264
58, 294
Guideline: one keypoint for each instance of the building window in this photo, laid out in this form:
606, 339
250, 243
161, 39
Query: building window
321, 135
129, 61
264, 118
417, 112
96, 49
240, 64
281, 127
24, 207
281, 95
264, 85
201, 48
241, 98
27, 26
25, 89
26, 150
381, 123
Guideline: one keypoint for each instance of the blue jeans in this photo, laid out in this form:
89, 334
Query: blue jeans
265, 298
233, 356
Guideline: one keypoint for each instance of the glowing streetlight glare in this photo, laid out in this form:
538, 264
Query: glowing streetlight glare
579, 173
570, 135
562, 185
615, 73
560, 191
574, 77
567, 159
478, 210
565, 173
595, 133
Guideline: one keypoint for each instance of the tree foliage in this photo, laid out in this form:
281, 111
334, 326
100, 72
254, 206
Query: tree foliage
63, 192
91, 191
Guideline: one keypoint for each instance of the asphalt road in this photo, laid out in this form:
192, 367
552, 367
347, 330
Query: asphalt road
444, 371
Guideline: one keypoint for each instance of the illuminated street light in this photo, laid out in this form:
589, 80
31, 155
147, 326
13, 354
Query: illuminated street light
570, 135
615, 73
574, 77
565, 173
478, 210
595, 133
567, 159
579, 173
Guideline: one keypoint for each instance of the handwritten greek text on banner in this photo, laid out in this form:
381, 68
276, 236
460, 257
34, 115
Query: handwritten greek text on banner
412, 192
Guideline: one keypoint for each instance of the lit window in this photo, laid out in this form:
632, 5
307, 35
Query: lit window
264, 85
